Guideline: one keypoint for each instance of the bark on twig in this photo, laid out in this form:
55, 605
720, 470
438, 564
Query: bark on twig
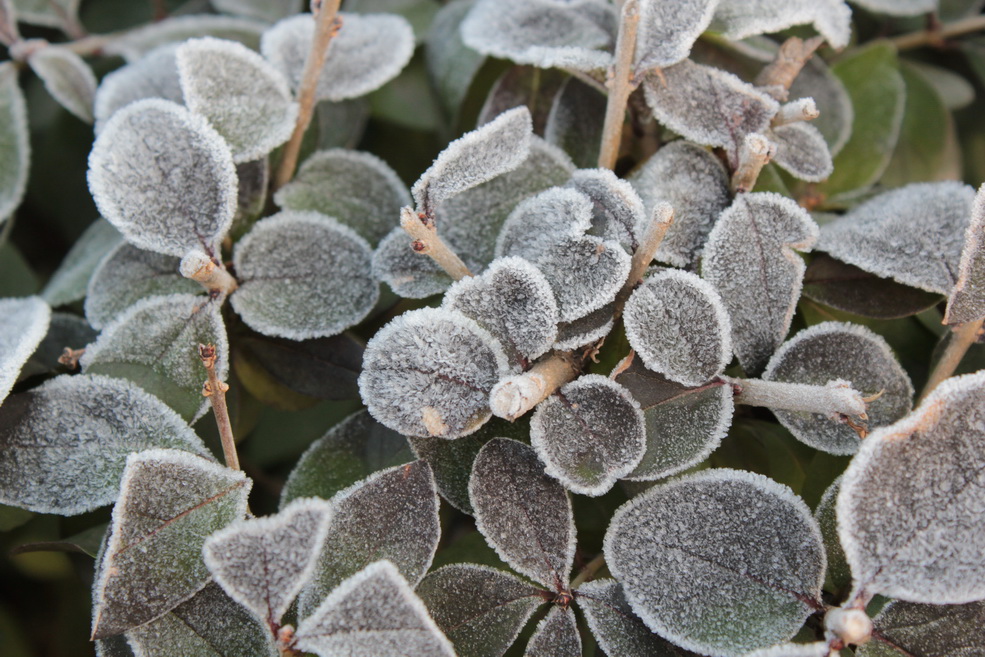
215, 390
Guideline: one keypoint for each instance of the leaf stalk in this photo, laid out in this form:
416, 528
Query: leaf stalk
620, 84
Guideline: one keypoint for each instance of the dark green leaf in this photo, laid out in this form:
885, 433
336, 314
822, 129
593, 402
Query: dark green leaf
904, 629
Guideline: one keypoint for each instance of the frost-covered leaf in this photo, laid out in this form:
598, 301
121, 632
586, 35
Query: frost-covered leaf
541, 221
138, 42
966, 302
617, 210
391, 515
67, 78
70, 280
683, 425
721, 562
373, 613
802, 151
243, 97
429, 373
407, 272
514, 302
585, 330
251, 196
524, 514
474, 158
358, 189
209, 624
155, 75
602, 267
838, 578
850, 352
913, 235
303, 275
83, 428
751, 260
49, 13
678, 326
164, 178
263, 10
817, 81
263, 563
589, 434
668, 29
368, 51
853, 290
695, 184
576, 120
738, 19
543, 33
529, 86
14, 143
481, 610
154, 343
451, 64
899, 7
23, 324
352, 450
708, 105
556, 635
909, 510
904, 628
65, 330
617, 629
127, 274
170, 502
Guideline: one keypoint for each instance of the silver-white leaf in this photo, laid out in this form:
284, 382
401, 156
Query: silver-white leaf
14, 142
541, 221
585, 330
617, 210
738, 19
802, 152
602, 268
556, 635
67, 78
668, 29
966, 302
23, 324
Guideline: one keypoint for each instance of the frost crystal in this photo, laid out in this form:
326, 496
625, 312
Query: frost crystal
368, 52
589, 434
67, 78
720, 562
14, 142
474, 158
164, 178
482, 610
358, 189
816, 649
555, 636
928, 630
913, 235
70, 280
429, 373
155, 75
683, 425
303, 275
155, 342
169, 503
802, 151
910, 507
839, 575
617, 629
243, 97
82, 427
834, 350
374, 613
708, 105
391, 515
539, 222
514, 302
23, 324
678, 326
668, 29
543, 33
263, 563
738, 19
750, 259
966, 302
695, 184
125, 276
617, 212
524, 514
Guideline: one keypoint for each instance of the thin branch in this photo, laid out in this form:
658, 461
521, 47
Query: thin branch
802, 109
215, 390
786, 66
755, 152
620, 84
661, 220
326, 27
589, 571
836, 399
962, 337
213, 276
517, 395
936, 37
423, 231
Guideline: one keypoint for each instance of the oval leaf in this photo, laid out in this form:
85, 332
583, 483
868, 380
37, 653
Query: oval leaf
585, 330
451, 64
67, 78
23, 325
14, 142
576, 120
70, 280
556, 635
155, 75
966, 302
904, 628
667, 30
802, 152
617, 210
817, 81
738, 19
136, 43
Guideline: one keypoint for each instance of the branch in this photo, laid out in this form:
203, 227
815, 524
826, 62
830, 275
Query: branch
215, 390
786, 66
802, 109
836, 399
755, 152
661, 220
620, 84
516, 395
962, 337
326, 27
212, 275
423, 231
936, 37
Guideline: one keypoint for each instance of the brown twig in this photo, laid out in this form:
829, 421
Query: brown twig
517, 395
215, 390
937, 36
326, 27
789, 60
963, 336
213, 276
661, 220
620, 84
755, 152
426, 241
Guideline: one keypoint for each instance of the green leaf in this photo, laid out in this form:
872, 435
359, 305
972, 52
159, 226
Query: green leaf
14, 142
67, 78
12, 517
878, 95
70, 280
16, 277
170, 502
23, 324
49, 13
451, 64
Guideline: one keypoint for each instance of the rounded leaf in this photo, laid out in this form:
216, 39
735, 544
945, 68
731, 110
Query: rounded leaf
556, 635
155, 75
23, 324
602, 267
667, 30
817, 81
138, 42
617, 210
738, 19
802, 151
407, 272
585, 330
720, 562
905, 628
541, 221
966, 302
303, 275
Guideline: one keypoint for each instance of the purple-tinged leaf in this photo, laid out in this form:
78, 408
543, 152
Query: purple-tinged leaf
966, 302
556, 635
170, 502
23, 325
720, 562
481, 610
909, 510
524, 514
751, 261
585, 330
